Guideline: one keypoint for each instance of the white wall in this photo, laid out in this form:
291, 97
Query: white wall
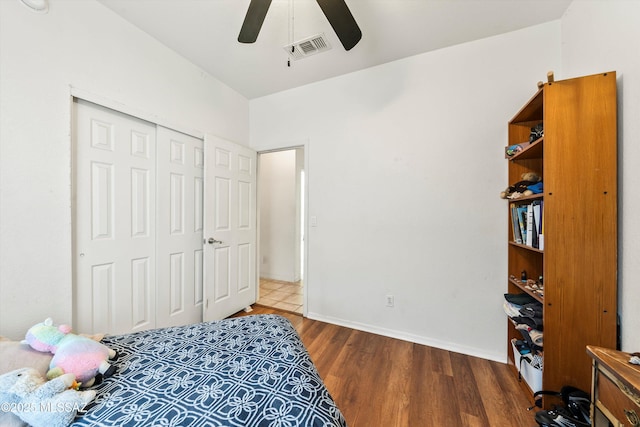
405, 168
278, 186
84, 45
600, 36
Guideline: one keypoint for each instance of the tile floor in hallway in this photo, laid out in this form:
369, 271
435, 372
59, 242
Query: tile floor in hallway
283, 295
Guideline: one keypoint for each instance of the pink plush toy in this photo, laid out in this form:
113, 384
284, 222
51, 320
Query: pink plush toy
85, 358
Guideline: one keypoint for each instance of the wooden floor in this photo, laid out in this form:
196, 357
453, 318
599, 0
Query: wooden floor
384, 382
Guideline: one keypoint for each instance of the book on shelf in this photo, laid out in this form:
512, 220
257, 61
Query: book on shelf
536, 207
522, 220
515, 224
541, 227
527, 221
530, 226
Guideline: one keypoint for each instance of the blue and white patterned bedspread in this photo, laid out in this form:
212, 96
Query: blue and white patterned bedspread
250, 371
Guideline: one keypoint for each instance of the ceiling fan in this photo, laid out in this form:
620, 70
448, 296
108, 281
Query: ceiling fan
336, 11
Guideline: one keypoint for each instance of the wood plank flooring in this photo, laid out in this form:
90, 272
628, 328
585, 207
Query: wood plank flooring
384, 382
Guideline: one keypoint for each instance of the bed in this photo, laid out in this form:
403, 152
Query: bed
250, 371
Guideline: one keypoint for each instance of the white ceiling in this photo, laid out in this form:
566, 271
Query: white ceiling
205, 32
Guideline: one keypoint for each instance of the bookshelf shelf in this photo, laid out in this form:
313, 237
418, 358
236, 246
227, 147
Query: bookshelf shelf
517, 283
525, 199
531, 151
578, 262
526, 247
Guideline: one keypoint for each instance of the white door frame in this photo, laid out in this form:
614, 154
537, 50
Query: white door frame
284, 146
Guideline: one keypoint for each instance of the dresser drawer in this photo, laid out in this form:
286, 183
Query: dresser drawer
616, 401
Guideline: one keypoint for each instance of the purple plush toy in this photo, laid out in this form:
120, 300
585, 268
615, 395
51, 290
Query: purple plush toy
85, 358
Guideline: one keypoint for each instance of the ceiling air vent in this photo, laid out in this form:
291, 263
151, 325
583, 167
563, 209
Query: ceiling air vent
307, 47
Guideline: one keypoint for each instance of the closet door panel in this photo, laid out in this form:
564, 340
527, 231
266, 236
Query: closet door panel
114, 234
179, 233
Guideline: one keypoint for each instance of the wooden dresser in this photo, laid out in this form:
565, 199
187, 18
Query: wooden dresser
615, 388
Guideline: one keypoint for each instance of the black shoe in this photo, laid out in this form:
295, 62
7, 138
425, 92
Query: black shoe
578, 403
558, 417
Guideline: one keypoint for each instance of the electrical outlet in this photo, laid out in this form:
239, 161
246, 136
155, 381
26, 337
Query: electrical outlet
389, 300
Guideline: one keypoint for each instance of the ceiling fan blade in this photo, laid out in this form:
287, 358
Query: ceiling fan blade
253, 20
342, 21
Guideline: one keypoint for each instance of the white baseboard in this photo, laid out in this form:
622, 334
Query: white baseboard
443, 345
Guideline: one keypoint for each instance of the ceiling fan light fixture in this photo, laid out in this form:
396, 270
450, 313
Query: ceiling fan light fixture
253, 20
336, 11
342, 21
39, 6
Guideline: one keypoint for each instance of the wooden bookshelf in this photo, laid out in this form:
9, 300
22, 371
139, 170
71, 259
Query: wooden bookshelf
577, 160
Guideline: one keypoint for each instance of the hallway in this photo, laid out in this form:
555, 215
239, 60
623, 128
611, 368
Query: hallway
282, 295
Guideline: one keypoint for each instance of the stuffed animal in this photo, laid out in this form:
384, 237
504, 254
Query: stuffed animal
41, 403
530, 184
85, 358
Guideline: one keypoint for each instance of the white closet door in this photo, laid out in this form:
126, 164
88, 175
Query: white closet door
115, 230
179, 228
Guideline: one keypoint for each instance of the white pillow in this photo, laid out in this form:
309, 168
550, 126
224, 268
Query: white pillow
15, 355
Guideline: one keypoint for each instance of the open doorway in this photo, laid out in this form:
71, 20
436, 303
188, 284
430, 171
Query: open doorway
280, 232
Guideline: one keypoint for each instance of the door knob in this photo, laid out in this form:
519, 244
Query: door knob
211, 241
